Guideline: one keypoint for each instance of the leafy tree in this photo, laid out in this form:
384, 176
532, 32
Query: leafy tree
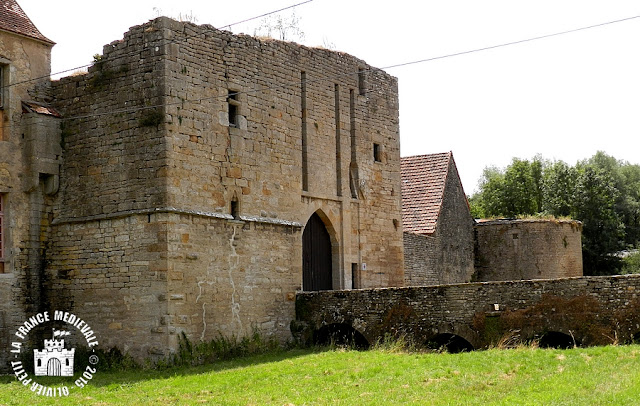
515, 191
558, 189
522, 182
489, 201
603, 232
629, 203
626, 178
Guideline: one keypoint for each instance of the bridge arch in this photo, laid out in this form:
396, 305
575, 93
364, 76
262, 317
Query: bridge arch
558, 340
450, 342
340, 334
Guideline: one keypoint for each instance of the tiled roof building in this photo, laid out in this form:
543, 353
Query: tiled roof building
437, 223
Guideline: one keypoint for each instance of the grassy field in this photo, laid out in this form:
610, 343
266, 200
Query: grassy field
525, 376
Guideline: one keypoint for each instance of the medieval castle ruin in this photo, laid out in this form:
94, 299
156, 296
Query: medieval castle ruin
194, 181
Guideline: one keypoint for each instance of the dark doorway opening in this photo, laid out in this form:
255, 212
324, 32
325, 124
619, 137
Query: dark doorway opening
316, 256
341, 335
450, 343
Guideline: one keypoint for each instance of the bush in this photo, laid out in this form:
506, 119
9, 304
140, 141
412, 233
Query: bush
631, 263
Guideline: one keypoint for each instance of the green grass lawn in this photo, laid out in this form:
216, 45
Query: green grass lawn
525, 376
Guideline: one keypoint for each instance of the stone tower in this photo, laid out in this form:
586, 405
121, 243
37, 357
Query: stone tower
208, 177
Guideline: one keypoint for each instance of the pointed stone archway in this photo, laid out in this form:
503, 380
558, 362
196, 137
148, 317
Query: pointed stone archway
317, 272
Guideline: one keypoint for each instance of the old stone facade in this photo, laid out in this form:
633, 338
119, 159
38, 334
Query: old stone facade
30, 156
194, 162
437, 223
528, 249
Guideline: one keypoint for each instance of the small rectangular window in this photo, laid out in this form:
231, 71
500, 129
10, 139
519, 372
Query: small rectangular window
2, 233
235, 209
377, 154
232, 100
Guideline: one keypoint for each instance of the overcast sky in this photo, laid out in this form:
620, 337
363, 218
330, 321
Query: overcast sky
564, 97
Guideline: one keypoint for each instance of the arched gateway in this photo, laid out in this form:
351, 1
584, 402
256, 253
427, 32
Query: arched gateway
316, 256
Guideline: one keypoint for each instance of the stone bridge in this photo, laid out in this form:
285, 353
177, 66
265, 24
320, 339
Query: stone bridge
559, 313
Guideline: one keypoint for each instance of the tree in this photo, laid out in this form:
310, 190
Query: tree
603, 232
522, 182
630, 203
488, 202
559, 183
515, 191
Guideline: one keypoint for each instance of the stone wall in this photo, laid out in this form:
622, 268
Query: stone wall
528, 249
446, 255
592, 310
27, 143
232, 276
113, 272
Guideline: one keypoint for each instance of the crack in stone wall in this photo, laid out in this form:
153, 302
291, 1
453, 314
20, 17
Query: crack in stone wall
234, 259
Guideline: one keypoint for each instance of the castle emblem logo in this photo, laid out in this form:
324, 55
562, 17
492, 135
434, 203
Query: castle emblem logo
54, 359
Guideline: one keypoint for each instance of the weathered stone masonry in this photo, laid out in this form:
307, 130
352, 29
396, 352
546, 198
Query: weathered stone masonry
445, 253
592, 310
30, 155
182, 210
527, 249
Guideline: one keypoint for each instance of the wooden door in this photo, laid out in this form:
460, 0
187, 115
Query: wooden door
316, 256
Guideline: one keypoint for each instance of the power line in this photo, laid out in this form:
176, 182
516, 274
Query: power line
506, 44
167, 42
333, 77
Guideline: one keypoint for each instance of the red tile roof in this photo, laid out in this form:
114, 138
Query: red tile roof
423, 181
14, 19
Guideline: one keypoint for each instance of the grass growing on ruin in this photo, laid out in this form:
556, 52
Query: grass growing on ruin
527, 376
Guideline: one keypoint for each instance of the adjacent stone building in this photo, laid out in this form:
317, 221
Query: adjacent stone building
30, 157
204, 179
437, 223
